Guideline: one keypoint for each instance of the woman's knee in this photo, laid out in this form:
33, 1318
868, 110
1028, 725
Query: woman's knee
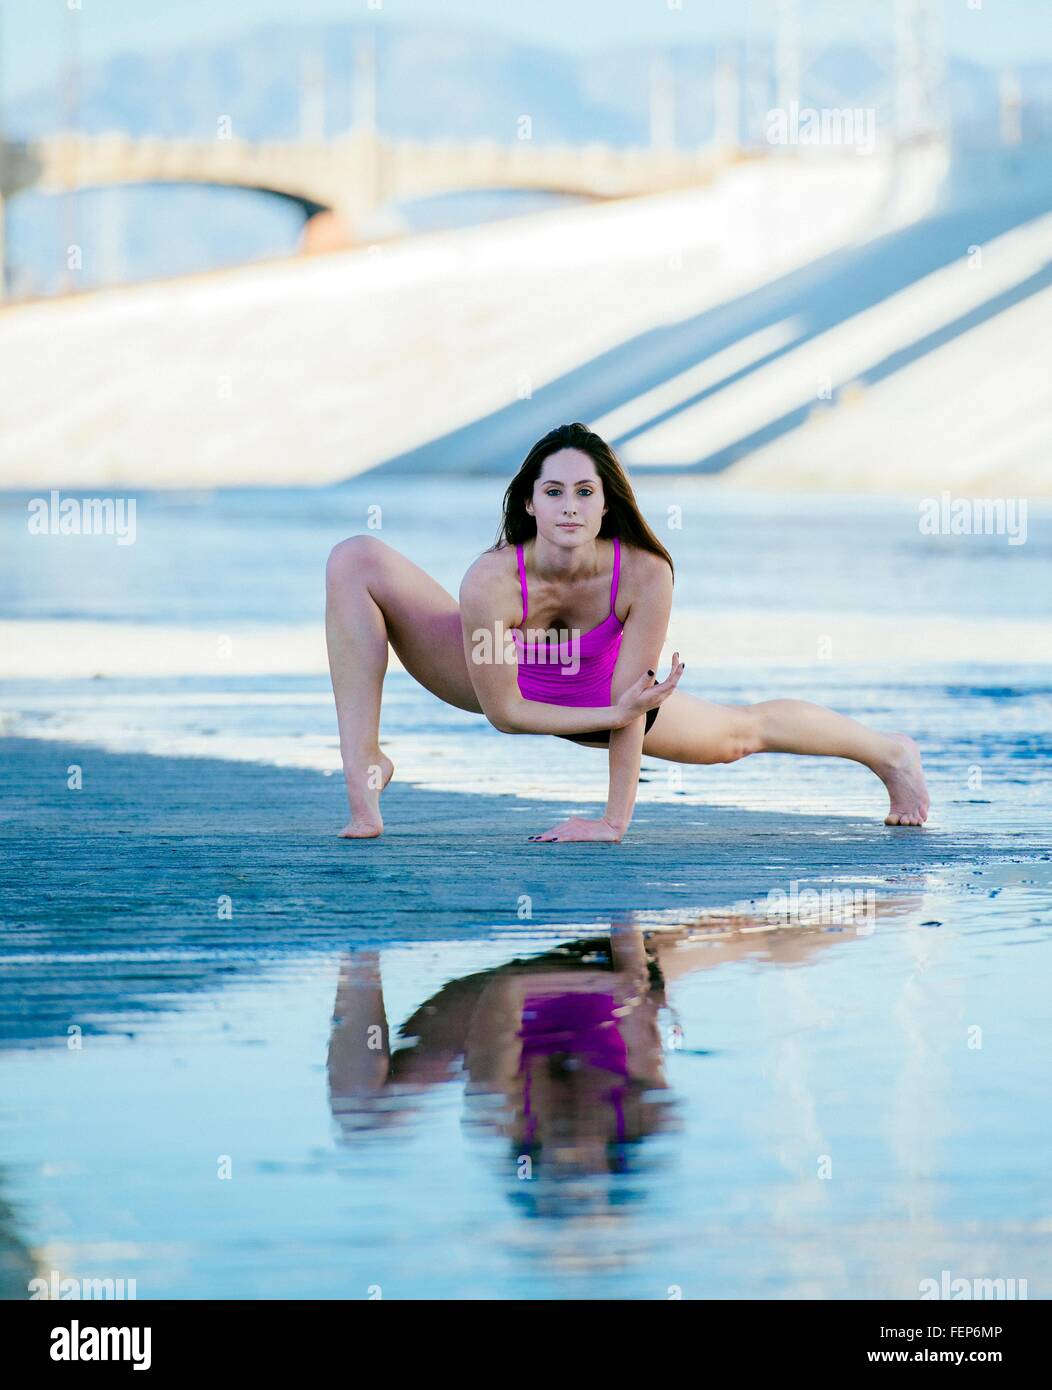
354, 558
745, 733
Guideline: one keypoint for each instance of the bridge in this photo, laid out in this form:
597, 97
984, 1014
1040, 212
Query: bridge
352, 175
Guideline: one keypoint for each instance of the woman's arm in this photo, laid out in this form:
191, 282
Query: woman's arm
642, 640
494, 674
626, 749
641, 643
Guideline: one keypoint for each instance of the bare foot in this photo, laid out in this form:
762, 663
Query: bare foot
904, 778
366, 822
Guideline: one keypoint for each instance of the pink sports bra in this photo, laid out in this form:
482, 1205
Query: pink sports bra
578, 671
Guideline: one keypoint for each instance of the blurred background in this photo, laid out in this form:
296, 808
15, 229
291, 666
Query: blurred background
276, 274
762, 235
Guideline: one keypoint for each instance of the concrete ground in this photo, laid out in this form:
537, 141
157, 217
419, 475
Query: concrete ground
114, 894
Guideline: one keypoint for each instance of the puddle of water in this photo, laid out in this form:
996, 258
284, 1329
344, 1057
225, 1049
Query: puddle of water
739, 1108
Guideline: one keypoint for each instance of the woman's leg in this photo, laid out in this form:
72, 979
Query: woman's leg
374, 595
689, 730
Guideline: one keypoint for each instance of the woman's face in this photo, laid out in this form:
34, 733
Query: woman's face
567, 499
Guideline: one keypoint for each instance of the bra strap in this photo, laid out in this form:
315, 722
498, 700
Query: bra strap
522, 580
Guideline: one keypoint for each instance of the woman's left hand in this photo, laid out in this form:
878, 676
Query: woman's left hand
577, 828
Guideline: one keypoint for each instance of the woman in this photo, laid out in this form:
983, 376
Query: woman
576, 560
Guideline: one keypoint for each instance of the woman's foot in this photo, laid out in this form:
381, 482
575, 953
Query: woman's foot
363, 793
903, 776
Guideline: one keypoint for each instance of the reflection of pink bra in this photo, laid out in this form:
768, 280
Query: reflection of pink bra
579, 1023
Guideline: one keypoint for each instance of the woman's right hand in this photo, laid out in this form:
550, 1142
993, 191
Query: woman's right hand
646, 694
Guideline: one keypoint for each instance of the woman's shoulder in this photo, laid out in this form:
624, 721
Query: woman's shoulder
497, 559
642, 565
644, 575
493, 571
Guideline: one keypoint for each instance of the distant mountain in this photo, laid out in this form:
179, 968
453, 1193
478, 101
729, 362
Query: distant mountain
432, 82
448, 81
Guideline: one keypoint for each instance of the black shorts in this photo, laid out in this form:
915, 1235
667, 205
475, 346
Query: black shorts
603, 735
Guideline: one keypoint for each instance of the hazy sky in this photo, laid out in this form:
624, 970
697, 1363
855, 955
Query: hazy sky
34, 40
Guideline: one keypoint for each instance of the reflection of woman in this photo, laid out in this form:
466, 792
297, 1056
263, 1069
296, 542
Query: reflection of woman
576, 559
569, 1040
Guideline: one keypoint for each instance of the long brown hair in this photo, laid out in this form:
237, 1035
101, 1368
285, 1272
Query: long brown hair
622, 517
